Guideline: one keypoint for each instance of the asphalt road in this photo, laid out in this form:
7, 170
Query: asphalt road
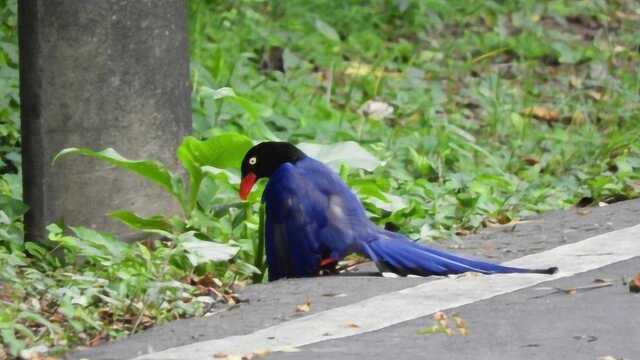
533, 322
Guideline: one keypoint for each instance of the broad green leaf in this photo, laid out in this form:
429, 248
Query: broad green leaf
151, 170
231, 177
139, 223
392, 203
221, 151
217, 93
326, 30
205, 251
106, 244
12, 208
348, 152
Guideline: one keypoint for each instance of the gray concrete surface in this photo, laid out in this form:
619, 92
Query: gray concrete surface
529, 324
511, 326
99, 74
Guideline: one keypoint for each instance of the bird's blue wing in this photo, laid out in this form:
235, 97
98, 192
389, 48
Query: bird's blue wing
295, 213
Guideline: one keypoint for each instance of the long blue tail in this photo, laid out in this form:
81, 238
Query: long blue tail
395, 253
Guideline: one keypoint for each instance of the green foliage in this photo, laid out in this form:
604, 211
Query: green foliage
500, 109
220, 151
462, 148
9, 99
97, 288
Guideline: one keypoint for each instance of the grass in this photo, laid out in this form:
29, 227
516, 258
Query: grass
501, 110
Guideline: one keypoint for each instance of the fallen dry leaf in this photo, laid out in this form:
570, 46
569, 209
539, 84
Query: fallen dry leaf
376, 110
96, 339
570, 291
576, 82
225, 356
439, 316
442, 325
352, 325
596, 95
262, 352
334, 295
578, 118
460, 324
542, 113
304, 307
530, 160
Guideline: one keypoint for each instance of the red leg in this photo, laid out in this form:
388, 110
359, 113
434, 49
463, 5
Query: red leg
327, 262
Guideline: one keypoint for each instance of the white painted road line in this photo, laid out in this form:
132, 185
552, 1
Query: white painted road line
389, 309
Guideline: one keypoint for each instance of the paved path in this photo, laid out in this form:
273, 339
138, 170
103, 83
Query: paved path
507, 316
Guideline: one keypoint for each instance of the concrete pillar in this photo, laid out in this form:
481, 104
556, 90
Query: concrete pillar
98, 74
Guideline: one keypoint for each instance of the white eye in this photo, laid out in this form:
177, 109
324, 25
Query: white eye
253, 161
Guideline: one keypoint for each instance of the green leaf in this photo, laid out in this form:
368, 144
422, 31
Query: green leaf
205, 251
103, 244
151, 170
217, 93
139, 223
13, 208
221, 151
326, 30
334, 155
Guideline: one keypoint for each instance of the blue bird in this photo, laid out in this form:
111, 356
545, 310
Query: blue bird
313, 219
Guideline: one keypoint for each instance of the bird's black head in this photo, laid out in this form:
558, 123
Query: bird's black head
262, 160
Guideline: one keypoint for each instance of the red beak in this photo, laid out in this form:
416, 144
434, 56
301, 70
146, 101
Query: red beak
246, 185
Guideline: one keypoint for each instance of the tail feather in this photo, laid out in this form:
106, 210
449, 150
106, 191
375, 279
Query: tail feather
395, 253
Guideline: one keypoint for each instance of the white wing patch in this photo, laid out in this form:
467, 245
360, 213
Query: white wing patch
336, 212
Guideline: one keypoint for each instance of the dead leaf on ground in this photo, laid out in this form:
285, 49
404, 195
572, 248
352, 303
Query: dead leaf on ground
599, 283
334, 295
542, 113
304, 307
97, 340
596, 95
442, 325
460, 324
578, 118
262, 352
352, 325
575, 81
439, 316
530, 160
225, 356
